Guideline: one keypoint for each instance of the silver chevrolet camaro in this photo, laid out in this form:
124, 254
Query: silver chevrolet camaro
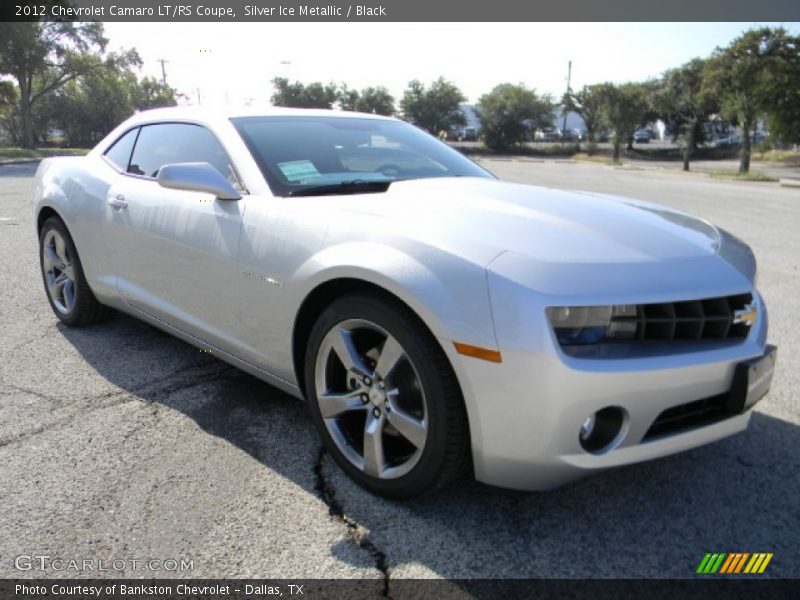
436, 319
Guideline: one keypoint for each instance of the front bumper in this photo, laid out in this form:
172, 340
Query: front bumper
526, 412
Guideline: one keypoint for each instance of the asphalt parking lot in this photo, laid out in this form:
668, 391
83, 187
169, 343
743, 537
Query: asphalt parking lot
120, 442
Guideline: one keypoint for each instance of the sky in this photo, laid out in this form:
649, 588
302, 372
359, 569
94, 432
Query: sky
233, 63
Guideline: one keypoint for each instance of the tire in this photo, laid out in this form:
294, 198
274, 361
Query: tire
384, 397
64, 282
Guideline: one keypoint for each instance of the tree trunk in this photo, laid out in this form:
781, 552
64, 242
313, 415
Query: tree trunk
617, 144
591, 145
27, 126
744, 156
25, 114
690, 142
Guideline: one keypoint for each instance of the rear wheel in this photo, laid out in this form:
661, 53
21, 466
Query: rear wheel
385, 398
65, 285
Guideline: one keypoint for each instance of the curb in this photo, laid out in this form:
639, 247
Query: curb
795, 183
18, 161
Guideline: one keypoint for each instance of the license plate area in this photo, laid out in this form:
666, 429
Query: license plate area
751, 381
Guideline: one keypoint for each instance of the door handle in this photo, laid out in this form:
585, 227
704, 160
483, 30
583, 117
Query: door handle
118, 202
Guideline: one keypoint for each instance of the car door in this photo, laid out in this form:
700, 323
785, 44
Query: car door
175, 251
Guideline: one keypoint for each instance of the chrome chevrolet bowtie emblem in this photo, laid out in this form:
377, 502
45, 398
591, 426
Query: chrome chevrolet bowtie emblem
746, 315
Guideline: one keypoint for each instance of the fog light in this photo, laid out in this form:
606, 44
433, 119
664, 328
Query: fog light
587, 428
603, 430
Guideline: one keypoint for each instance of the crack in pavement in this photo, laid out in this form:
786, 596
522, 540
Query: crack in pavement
29, 392
355, 533
11, 351
121, 397
65, 420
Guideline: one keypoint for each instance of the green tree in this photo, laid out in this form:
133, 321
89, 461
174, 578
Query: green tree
8, 102
89, 107
752, 78
509, 112
375, 100
348, 98
298, 95
783, 110
647, 92
783, 121
43, 57
624, 107
587, 102
435, 108
149, 92
683, 106
8, 95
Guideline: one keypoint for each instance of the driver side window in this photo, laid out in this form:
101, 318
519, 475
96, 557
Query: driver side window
168, 143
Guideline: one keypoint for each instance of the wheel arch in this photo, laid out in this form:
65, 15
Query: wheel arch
321, 297
45, 212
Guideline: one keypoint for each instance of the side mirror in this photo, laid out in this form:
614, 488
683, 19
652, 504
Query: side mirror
196, 177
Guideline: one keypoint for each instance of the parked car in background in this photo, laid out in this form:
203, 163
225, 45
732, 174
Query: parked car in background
547, 135
730, 141
437, 320
642, 136
469, 134
734, 140
569, 135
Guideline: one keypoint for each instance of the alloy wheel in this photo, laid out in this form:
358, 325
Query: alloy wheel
59, 271
371, 399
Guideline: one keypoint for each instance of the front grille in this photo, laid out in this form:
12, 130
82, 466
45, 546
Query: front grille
689, 416
708, 319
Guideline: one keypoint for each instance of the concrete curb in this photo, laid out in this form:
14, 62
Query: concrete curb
795, 183
18, 161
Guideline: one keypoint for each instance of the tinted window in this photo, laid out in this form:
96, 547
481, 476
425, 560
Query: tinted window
170, 143
295, 153
120, 152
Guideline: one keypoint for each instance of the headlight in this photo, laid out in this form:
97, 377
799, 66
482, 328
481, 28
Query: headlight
591, 324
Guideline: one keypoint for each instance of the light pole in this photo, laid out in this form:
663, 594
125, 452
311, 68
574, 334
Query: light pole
163, 61
564, 108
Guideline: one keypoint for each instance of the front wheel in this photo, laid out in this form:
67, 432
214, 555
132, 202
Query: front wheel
385, 398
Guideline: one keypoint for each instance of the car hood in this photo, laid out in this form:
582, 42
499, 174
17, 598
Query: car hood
545, 224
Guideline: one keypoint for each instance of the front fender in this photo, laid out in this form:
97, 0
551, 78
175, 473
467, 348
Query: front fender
448, 293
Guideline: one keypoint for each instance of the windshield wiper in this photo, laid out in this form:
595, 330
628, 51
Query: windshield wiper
353, 186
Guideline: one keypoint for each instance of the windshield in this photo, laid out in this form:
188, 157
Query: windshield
298, 154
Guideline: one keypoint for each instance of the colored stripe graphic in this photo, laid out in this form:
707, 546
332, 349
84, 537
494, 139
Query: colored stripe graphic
702, 567
758, 563
741, 562
734, 563
728, 564
711, 563
724, 563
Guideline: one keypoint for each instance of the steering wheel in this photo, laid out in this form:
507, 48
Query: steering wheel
389, 169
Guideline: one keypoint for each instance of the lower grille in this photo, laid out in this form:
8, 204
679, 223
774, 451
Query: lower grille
689, 416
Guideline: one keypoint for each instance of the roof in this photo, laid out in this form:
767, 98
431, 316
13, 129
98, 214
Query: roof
218, 118
211, 114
